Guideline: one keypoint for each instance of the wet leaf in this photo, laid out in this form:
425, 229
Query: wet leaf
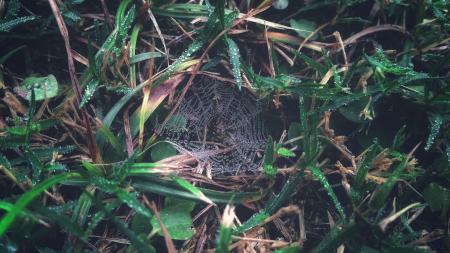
162, 150
284, 152
44, 87
436, 126
304, 28
235, 59
89, 92
437, 197
176, 217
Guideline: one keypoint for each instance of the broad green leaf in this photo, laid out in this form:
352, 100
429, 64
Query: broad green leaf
162, 150
176, 217
44, 87
220, 8
280, 4
353, 110
140, 224
304, 28
284, 152
8, 207
437, 197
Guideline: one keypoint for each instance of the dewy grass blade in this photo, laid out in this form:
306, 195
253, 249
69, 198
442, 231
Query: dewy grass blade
8, 207
273, 204
337, 236
123, 227
152, 184
29, 196
317, 173
188, 186
112, 139
235, 59
133, 41
436, 126
5, 26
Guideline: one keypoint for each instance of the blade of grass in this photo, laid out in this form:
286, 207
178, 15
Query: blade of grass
167, 188
133, 41
194, 190
317, 173
29, 196
273, 204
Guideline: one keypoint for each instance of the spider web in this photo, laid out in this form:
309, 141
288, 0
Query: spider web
219, 125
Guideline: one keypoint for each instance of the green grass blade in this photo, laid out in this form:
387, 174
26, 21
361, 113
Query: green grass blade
435, 127
337, 236
273, 204
317, 173
235, 59
144, 56
112, 139
166, 188
188, 186
364, 166
5, 26
29, 196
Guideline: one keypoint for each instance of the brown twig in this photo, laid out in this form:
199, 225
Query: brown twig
169, 243
75, 84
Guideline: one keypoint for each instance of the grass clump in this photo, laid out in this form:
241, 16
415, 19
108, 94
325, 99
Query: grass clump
354, 99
